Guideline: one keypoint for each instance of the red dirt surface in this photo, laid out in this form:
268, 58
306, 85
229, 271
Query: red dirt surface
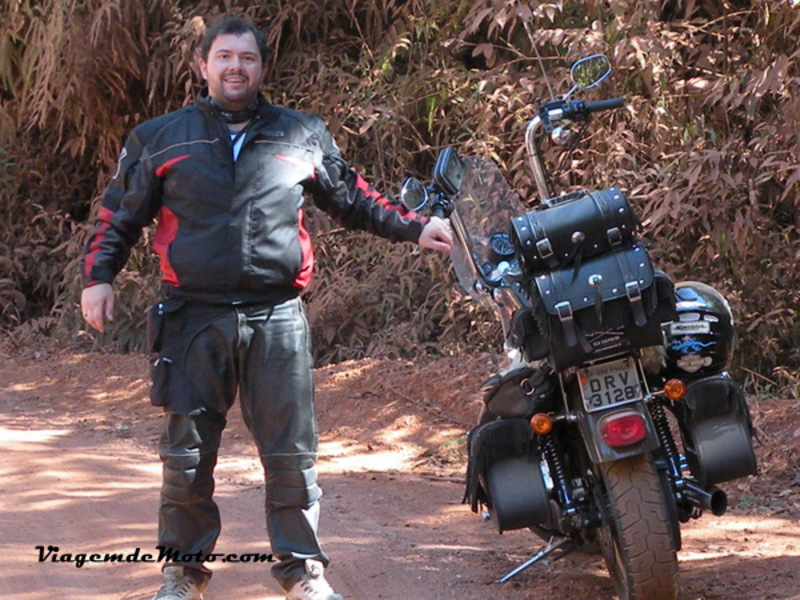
79, 471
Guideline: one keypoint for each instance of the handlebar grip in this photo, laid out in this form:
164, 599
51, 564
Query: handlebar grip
442, 206
601, 105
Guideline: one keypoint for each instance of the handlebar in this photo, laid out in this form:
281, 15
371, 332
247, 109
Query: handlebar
556, 110
602, 105
577, 109
442, 206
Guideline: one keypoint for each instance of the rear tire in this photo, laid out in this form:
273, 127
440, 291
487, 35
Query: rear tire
637, 541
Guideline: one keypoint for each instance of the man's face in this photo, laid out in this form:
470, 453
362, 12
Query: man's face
234, 70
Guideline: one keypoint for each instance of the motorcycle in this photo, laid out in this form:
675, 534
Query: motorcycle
615, 417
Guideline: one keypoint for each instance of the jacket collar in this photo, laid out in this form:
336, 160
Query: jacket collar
258, 107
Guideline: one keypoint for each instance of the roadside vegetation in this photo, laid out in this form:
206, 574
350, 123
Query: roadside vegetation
708, 148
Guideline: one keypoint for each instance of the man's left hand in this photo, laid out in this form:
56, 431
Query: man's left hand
437, 235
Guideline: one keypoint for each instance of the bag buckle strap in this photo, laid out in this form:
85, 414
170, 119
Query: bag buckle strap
596, 281
544, 248
634, 293
564, 311
614, 236
565, 315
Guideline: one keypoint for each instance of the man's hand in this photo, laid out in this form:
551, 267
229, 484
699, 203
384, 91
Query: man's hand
97, 305
437, 235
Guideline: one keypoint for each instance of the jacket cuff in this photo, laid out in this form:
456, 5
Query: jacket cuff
413, 231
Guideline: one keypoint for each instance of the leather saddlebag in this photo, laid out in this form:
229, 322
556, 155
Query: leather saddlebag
569, 229
605, 305
717, 430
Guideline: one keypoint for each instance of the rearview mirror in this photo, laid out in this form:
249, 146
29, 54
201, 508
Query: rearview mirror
413, 194
589, 71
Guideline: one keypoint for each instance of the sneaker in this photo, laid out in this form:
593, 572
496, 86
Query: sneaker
313, 586
180, 584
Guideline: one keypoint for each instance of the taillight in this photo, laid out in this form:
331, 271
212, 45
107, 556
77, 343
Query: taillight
623, 429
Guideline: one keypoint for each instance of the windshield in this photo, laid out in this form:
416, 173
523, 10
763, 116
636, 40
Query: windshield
485, 205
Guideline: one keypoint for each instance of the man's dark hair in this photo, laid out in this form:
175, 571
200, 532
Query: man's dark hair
233, 26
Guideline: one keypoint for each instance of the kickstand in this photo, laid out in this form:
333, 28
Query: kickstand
551, 547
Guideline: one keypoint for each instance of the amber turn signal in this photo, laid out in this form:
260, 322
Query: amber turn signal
541, 424
675, 389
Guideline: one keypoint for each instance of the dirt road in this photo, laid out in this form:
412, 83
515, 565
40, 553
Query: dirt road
78, 472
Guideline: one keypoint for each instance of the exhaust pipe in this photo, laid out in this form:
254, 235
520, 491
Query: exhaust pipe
713, 499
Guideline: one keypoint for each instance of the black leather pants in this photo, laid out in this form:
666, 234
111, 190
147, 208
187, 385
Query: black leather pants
263, 353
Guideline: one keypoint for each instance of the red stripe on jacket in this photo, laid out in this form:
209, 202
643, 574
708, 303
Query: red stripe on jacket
376, 196
167, 228
307, 267
164, 169
165, 232
104, 215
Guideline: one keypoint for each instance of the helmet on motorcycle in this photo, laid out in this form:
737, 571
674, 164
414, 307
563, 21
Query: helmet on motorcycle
701, 341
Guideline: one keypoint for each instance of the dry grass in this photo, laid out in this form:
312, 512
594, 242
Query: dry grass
707, 148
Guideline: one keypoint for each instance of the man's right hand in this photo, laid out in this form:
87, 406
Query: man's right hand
97, 305
437, 235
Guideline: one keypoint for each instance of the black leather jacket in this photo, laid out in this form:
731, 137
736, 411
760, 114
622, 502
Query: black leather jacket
232, 230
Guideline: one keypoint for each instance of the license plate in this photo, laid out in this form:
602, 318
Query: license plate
608, 384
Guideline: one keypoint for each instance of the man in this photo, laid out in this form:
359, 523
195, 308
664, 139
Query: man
226, 178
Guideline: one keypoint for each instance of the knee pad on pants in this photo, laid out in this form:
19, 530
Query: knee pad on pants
188, 451
291, 482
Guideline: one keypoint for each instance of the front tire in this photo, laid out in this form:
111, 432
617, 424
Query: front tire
637, 541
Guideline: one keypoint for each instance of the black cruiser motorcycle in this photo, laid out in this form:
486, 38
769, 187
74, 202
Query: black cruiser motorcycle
614, 417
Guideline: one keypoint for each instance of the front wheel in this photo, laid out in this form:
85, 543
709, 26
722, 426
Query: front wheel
638, 546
